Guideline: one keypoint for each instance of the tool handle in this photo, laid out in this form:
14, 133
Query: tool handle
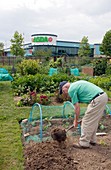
70, 128
79, 122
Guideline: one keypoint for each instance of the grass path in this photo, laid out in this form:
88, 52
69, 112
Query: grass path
11, 149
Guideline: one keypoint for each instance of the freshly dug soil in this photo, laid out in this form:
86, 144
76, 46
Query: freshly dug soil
58, 134
48, 156
62, 155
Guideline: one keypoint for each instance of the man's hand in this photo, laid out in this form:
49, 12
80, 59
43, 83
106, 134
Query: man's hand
75, 123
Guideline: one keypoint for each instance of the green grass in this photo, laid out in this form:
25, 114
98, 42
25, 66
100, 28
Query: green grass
11, 149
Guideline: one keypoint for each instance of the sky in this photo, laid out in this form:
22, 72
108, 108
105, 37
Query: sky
70, 20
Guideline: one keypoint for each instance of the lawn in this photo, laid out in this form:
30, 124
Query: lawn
11, 155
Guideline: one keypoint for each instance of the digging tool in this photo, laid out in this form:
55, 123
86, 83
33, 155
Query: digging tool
59, 134
69, 128
79, 122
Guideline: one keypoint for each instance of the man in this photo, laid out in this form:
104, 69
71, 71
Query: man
85, 92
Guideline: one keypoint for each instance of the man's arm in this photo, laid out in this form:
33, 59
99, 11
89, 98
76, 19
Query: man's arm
77, 111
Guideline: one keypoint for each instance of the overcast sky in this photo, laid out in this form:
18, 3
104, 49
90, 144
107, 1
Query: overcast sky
68, 19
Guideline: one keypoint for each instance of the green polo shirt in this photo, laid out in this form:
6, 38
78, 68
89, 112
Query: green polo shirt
83, 91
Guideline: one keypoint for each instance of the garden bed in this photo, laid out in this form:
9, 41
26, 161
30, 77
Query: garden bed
51, 154
31, 131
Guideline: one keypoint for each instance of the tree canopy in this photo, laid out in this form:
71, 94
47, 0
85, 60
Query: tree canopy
1, 48
105, 47
17, 44
84, 49
46, 53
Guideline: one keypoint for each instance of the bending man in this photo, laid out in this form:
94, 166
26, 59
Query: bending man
85, 92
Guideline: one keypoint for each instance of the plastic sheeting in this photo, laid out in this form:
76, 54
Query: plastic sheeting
3, 71
4, 75
74, 71
52, 71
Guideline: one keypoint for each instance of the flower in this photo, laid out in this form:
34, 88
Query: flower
44, 100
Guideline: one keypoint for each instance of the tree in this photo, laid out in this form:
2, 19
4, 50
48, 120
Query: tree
43, 53
17, 44
84, 49
105, 47
1, 48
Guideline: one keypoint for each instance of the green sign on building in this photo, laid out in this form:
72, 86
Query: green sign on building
42, 39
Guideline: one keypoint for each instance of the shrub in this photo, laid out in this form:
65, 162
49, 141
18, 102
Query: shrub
108, 69
29, 67
100, 66
43, 99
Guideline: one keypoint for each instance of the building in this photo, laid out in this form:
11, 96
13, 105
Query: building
58, 47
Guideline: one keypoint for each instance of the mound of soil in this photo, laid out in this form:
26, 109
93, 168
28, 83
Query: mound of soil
55, 155
58, 134
48, 156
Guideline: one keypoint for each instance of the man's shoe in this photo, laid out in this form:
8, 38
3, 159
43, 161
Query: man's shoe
81, 147
93, 143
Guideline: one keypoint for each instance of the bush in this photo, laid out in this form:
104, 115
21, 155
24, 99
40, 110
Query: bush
108, 69
100, 66
29, 67
43, 99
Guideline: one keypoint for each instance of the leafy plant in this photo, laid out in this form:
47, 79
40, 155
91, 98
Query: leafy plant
103, 143
100, 66
108, 69
56, 63
29, 67
46, 53
43, 99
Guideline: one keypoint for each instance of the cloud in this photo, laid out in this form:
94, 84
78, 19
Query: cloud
69, 19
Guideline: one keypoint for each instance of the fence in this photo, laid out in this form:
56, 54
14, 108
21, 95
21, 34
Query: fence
4, 60
7, 60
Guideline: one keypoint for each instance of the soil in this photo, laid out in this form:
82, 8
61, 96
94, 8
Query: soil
62, 155
58, 134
